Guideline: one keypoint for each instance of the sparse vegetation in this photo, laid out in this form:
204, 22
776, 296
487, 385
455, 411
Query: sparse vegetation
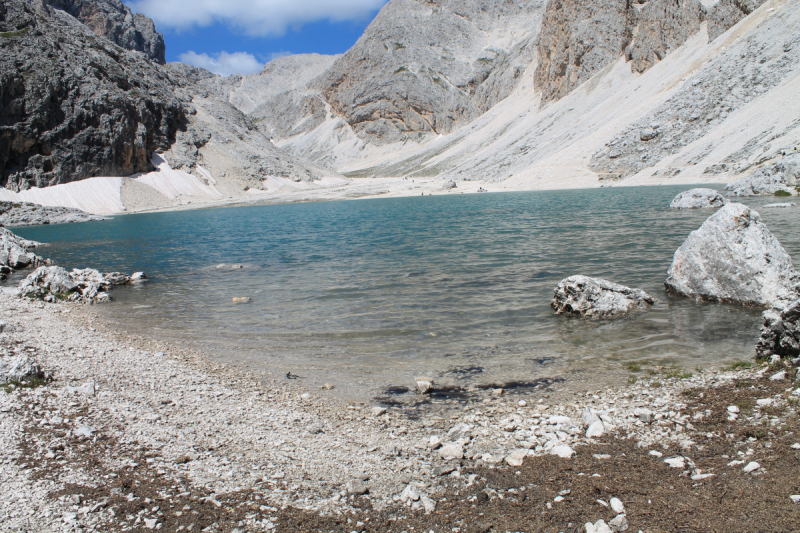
737, 365
9, 34
677, 372
12, 385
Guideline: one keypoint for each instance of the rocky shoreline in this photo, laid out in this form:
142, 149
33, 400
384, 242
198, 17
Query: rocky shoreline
121, 415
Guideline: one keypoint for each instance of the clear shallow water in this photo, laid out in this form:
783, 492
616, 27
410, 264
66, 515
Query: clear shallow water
368, 294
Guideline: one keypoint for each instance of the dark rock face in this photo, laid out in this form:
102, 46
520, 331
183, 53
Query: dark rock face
581, 37
74, 105
114, 20
780, 334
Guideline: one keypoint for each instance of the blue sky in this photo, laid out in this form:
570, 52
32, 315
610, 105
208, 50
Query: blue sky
239, 36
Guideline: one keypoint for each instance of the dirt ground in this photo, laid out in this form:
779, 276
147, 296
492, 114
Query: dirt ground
657, 497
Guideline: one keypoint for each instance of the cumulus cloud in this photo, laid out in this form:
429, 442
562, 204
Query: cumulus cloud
254, 17
224, 63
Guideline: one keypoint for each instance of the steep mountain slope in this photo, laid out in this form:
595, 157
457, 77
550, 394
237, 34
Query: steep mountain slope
114, 20
246, 93
74, 105
83, 118
708, 110
421, 69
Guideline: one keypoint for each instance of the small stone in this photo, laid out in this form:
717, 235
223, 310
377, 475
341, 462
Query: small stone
780, 376
443, 470
427, 503
451, 451
644, 415
563, 451
356, 487
378, 411
409, 494
516, 457
616, 505
597, 429
676, 462
424, 385
751, 467
84, 431
601, 527
620, 523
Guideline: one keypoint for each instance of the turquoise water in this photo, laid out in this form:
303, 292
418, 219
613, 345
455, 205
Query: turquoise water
367, 294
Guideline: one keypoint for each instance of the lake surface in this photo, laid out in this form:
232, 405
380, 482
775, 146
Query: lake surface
368, 294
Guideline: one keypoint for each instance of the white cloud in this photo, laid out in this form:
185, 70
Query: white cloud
224, 64
254, 17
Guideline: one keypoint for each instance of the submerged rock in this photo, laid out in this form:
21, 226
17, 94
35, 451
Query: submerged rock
780, 176
597, 298
54, 284
698, 199
732, 258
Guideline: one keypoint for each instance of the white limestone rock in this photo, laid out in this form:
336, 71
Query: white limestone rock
597, 298
780, 176
732, 258
698, 199
18, 368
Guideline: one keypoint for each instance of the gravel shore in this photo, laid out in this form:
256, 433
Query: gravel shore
131, 434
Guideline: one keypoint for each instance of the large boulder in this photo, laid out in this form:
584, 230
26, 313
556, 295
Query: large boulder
18, 368
55, 284
780, 176
14, 253
732, 258
597, 298
698, 199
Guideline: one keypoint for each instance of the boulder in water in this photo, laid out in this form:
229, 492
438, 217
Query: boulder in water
698, 199
597, 298
732, 258
54, 284
14, 254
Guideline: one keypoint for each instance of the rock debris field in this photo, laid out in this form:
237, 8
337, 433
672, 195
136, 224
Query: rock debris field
128, 435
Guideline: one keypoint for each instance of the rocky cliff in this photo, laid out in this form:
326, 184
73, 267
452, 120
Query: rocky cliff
581, 37
75, 105
114, 20
421, 67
